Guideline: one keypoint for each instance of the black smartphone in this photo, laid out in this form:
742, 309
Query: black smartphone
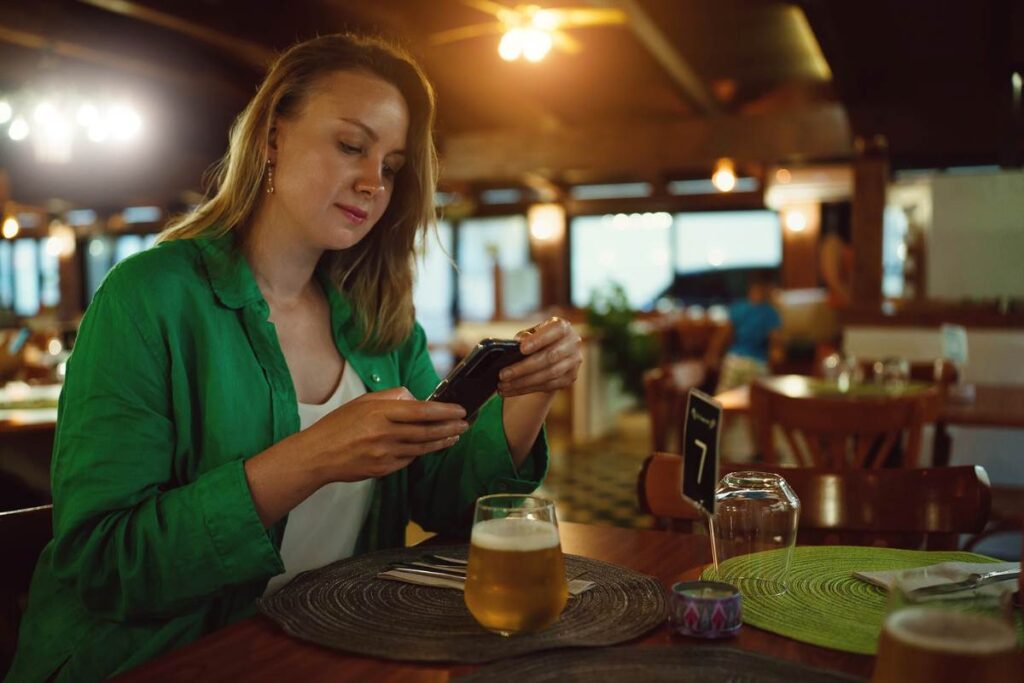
475, 378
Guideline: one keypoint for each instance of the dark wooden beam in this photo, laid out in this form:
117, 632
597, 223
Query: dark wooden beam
683, 76
245, 51
639, 149
117, 61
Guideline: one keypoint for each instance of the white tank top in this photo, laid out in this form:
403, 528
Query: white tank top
324, 527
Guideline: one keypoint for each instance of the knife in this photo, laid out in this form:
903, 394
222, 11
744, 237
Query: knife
972, 581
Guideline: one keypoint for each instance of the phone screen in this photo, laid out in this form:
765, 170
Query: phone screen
475, 379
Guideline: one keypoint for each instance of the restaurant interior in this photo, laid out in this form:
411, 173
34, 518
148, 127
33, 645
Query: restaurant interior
649, 170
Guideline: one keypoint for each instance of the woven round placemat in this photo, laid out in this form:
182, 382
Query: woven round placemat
825, 604
675, 664
344, 606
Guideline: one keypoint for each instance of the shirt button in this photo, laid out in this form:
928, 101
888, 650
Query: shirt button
375, 378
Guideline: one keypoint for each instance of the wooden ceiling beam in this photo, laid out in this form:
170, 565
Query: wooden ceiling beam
247, 52
661, 48
641, 148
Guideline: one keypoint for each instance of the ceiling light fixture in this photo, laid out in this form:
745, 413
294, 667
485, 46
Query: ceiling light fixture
724, 177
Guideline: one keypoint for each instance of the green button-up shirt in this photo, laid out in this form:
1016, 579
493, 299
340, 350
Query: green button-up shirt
176, 378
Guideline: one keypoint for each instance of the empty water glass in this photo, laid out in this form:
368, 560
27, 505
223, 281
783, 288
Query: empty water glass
754, 531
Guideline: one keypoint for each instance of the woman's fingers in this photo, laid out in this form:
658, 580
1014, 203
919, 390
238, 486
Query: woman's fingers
410, 451
423, 433
550, 378
422, 411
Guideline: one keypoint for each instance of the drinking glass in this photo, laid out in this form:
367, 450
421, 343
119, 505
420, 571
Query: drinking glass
515, 580
965, 636
753, 532
892, 373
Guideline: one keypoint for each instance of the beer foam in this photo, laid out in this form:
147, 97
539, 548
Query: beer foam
515, 534
951, 631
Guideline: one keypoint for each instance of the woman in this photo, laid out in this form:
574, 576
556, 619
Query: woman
263, 360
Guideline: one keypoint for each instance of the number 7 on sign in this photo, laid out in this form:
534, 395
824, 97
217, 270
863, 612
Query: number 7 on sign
703, 454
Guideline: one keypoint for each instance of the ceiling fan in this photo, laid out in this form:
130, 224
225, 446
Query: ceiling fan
530, 31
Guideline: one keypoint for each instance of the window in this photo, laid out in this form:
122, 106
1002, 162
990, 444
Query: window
629, 250
507, 238
26, 277
6, 274
721, 240
894, 250
105, 251
98, 256
49, 273
435, 284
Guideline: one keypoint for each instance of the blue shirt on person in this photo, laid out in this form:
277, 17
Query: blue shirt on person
752, 324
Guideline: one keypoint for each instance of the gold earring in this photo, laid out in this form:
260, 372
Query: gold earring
270, 178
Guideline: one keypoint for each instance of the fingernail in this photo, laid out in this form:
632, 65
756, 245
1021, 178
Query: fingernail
453, 439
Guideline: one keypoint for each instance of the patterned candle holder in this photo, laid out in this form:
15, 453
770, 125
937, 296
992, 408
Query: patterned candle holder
706, 609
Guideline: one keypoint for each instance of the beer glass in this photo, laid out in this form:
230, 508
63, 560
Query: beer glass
967, 636
515, 580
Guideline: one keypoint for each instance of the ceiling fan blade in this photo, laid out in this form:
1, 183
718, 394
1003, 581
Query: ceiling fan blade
566, 43
466, 32
489, 7
568, 17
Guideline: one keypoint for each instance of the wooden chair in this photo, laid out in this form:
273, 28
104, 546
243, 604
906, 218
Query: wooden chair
665, 390
900, 508
837, 432
23, 535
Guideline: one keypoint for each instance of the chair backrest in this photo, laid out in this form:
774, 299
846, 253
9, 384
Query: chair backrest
907, 508
23, 535
665, 390
837, 432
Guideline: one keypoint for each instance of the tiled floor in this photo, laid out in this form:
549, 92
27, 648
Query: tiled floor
596, 483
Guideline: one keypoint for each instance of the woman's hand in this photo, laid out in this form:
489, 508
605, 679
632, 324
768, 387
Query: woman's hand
371, 436
553, 353
381, 432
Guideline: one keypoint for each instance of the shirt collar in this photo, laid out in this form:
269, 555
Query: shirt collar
230, 276
235, 286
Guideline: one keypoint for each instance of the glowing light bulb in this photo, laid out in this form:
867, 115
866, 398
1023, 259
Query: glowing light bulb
796, 221
19, 129
511, 46
536, 44
87, 115
724, 177
124, 121
11, 228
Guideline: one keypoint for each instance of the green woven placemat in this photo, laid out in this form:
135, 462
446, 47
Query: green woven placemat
825, 605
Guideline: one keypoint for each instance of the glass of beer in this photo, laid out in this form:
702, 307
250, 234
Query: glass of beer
968, 636
515, 581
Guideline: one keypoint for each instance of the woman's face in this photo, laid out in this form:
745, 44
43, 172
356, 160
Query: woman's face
335, 161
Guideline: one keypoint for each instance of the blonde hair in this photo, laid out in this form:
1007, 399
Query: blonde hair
377, 273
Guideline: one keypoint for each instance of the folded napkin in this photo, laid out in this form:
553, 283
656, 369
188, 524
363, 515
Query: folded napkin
945, 572
576, 586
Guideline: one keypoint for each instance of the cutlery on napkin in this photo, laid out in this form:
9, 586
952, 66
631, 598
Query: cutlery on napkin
442, 575
950, 578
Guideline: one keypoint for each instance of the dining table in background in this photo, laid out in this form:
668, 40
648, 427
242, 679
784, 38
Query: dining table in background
993, 405
256, 649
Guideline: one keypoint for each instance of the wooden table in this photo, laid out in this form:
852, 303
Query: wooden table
993, 406
257, 650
